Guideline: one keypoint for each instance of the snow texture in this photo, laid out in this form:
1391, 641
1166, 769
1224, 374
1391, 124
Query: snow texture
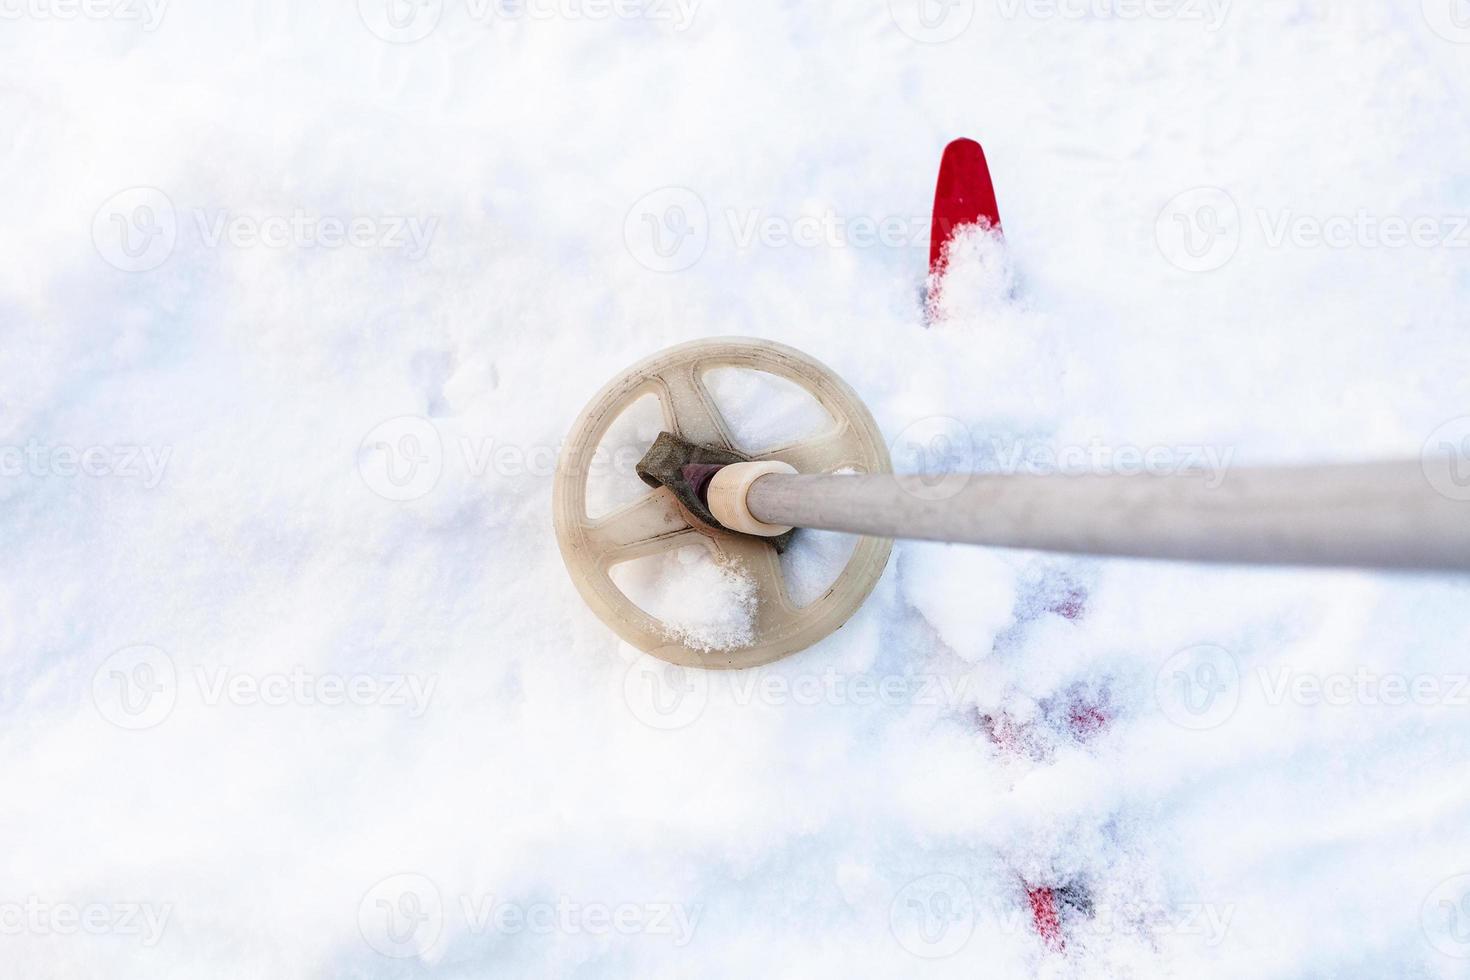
704, 602
765, 411
293, 320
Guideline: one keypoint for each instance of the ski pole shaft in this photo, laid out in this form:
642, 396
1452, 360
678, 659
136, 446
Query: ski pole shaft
1379, 515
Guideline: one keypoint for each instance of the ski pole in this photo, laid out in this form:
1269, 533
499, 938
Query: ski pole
1376, 515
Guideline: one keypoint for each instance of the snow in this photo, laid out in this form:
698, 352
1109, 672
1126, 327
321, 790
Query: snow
967, 594
612, 477
765, 411
704, 602
293, 682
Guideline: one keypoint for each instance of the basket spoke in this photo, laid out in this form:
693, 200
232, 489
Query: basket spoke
692, 410
824, 453
758, 559
649, 525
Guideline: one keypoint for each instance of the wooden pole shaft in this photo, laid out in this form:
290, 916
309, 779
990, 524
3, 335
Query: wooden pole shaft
1378, 515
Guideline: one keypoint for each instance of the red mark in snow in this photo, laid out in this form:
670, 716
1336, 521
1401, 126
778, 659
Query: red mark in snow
1071, 605
1011, 736
1046, 917
1086, 720
1001, 731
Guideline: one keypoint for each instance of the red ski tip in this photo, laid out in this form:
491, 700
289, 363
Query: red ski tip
963, 196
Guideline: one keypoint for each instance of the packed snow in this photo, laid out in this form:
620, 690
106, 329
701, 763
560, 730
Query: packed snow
298, 301
703, 600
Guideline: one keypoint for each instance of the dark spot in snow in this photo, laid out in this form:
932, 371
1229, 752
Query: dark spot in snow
1046, 917
1077, 896
1014, 737
1070, 605
1052, 905
1086, 720
1080, 712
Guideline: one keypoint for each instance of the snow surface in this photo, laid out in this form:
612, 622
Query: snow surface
329, 482
704, 602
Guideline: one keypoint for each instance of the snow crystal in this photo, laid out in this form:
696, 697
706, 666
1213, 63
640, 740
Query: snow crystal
705, 601
979, 275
